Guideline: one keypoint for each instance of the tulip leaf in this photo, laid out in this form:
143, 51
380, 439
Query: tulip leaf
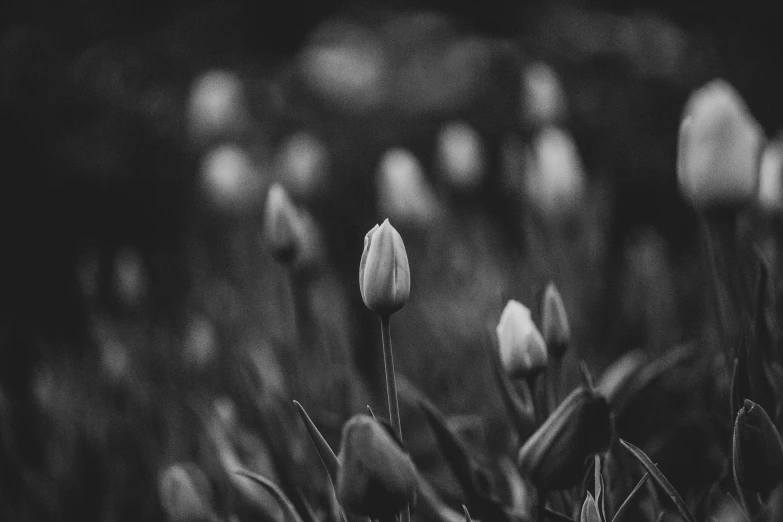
431, 507
600, 489
328, 457
369, 410
551, 514
274, 490
584, 373
474, 481
613, 380
589, 511
660, 479
735, 400
467, 514
628, 500
521, 414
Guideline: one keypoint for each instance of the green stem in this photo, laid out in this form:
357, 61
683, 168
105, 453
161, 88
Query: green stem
391, 381
391, 391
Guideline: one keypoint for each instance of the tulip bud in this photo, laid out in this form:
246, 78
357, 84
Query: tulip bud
376, 477
553, 457
758, 450
522, 349
304, 164
771, 178
555, 181
185, 493
281, 224
460, 156
230, 179
216, 107
403, 192
543, 96
384, 275
719, 148
554, 322
589, 510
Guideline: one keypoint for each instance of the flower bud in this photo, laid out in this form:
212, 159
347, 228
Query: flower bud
771, 178
303, 162
460, 156
555, 181
185, 493
758, 450
589, 510
554, 322
231, 181
522, 349
281, 224
553, 457
403, 192
719, 148
543, 96
384, 275
376, 477
216, 107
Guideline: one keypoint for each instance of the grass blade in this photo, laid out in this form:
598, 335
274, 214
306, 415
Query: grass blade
551, 514
328, 457
627, 502
662, 481
274, 490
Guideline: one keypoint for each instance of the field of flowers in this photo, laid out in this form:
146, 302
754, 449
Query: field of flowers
402, 268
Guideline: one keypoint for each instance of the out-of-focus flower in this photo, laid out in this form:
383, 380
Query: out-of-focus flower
719, 148
384, 274
303, 163
200, 341
771, 177
543, 99
555, 181
217, 108
554, 322
403, 191
346, 65
231, 180
185, 493
376, 477
282, 226
589, 510
522, 349
460, 156
553, 457
757, 450
130, 284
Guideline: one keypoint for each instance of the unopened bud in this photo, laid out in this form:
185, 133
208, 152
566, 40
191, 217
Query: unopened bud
384, 274
216, 107
460, 156
554, 322
543, 96
281, 224
719, 148
555, 182
589, 510
522, 349
185, 493
553, 457
758, 450
771, 178
403, 191
377, 477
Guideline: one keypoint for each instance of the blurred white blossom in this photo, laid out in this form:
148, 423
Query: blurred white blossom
543, 99
771, 177
460, 156
555, 178
231, 180
404, 194
216, 107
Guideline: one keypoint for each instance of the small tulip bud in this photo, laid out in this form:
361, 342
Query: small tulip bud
771, 178
304, 164
185, 493
377, 477
589, 510
230, 179
554, 322
522, 349
543, 96
719, 148
758, 450
281, 224
403, 192
555, 181
216, 107
384, 275
460, 156
553, 457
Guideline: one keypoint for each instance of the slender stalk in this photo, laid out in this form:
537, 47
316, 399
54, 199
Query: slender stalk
391, 391
391, 381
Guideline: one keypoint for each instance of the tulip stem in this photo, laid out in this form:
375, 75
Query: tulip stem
391, 381
391, 391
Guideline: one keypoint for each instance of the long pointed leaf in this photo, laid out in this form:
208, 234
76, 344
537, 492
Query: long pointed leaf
600, 490
662, 481
551, 514
328, 457
274, 490
473, 480
628, 500
431, 507
467, 514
